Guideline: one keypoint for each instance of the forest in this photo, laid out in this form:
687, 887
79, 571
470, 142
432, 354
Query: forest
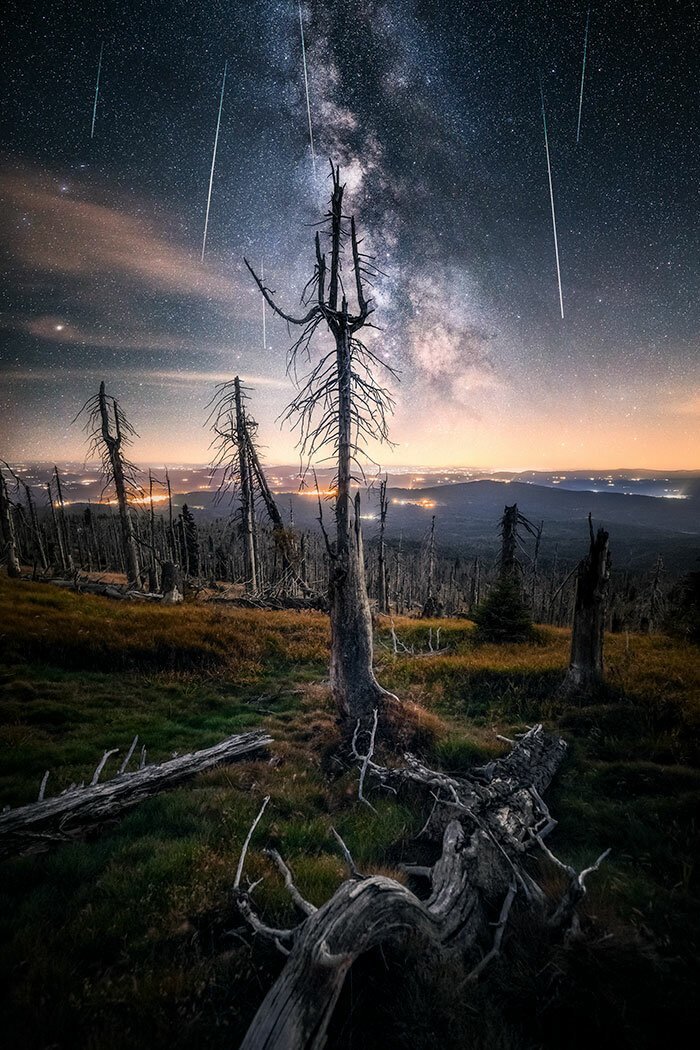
278, 787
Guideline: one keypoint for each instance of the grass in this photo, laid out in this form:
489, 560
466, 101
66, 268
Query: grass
132, 935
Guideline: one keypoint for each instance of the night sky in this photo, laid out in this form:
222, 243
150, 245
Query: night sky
433, 111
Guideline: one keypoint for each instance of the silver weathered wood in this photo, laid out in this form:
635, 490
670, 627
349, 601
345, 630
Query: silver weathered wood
486, 824
69, 815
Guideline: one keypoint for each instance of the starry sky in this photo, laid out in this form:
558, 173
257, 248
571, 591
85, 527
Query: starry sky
433, 111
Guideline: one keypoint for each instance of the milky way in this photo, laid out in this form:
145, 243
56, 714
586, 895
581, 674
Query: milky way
433, 111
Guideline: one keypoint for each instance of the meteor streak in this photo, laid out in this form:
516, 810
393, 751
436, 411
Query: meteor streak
97, 91
551, 200
213, 160
264, 330
306, 86
583, 75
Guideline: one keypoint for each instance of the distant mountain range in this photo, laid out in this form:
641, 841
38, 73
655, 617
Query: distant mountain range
663, 518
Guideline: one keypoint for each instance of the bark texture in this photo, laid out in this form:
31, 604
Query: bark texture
486, 824
585, 672
355, 688
8, 554
113, 445
340, 408
78, 810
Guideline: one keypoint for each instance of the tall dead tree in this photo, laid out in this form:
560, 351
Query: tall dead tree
383, 594
63, 521
8, 554
247, 503
236, 456
236, 453
31, 520
341, 407
585, 672
109, 433
509, 540
504, 616
57, 529
430, 606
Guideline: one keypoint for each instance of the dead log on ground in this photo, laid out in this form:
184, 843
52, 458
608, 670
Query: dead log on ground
316, 603
80, 809
487, 825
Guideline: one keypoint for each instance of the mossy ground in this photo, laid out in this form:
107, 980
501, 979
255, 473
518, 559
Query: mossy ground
132, 936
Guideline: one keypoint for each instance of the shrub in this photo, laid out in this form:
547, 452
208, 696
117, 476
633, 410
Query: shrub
504, 616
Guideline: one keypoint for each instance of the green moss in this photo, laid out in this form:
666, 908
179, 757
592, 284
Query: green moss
133, 935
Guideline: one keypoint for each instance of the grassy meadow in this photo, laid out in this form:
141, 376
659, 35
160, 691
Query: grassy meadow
132, 935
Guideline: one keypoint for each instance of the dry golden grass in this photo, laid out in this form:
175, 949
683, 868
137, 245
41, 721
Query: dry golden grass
127, 937
43, 623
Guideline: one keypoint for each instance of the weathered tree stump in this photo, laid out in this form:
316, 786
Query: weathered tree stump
585, 672
171, 583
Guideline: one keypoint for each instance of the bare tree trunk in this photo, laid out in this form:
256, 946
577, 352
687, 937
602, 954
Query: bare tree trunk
113, 444
79, 809
355, 689
65, 526
340, 407
247, 508
381, 567
586, 661
475, 590
430, 605
57, 529
34, 529
509, 539
7, 532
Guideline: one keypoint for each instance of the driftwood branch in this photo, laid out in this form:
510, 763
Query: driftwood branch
78, 810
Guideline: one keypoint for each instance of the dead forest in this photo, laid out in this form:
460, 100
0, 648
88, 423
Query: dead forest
485, 869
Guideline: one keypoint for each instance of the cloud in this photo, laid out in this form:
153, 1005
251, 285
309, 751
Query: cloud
58, 329
52, 229
140, 376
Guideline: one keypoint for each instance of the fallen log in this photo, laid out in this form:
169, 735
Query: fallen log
489, 822
316, 603
80, 809
104, 590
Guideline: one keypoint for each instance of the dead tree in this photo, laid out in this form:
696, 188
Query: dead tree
504, 616
238, 457
31, 520
232, 455
509, 565
485, 827
585, 672
383, 594
63, 521
81, 808
654, 604
153, 563
340, 407
8, 554
430, 606
475, 585
109, 433
247, 504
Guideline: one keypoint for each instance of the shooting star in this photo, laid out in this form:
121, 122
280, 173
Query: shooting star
97, 91
262, 280
551, 200
583, 75
213, 160
306, 86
